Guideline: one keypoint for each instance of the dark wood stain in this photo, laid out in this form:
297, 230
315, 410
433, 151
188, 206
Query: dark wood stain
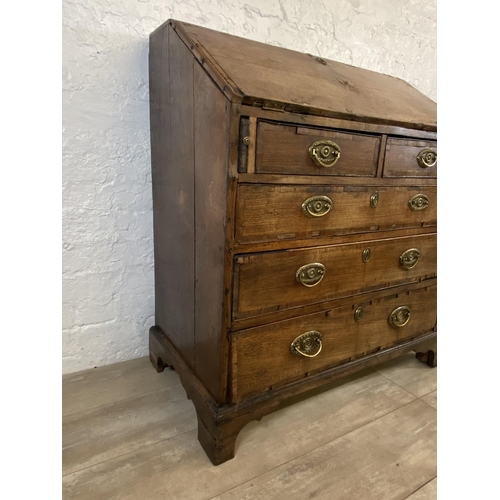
230, 233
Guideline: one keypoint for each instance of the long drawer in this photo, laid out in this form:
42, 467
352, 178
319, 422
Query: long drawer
272, 281
272, 212
264, 357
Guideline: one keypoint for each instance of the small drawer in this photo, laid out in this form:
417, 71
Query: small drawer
272, 281
287, 149
410, 158
271, 213
286, 351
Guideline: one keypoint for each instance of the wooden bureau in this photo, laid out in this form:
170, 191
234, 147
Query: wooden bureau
294, 223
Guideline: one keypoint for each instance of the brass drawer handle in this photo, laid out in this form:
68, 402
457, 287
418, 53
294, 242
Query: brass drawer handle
317, 206
310, 274
427, 158
418, 202
324, 153
409, 258
374, 200
400, 316
308, 344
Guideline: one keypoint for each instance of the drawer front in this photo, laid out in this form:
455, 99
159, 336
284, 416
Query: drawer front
285, 149
409, 158
270, 212
271, 281
263, 358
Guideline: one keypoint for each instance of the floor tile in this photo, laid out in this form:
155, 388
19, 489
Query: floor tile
410, 374
178, 468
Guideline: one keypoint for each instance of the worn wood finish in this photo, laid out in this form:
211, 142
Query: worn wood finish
252, 147
211, 143
267, 281
284, 149
326, 122
255, 72
273, 316
401, 158
313, 241
242, 147
274, 212
231, 170
334, 180
222, 424
263, 354
173, 188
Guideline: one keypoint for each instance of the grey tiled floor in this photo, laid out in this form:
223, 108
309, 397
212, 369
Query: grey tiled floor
130, 433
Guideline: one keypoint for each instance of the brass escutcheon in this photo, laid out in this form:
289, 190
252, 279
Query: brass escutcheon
400, 316
324, 153
317, 206
374, 200
308, 344
418, 202
246, 141
310, 274
427, 158
358, 314
367, 253
409, 258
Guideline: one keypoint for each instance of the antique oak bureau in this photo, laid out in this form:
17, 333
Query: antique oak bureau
294, 223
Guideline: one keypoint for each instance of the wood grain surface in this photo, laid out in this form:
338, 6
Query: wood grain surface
253, 72
284, 149
401, 158
263, 356
267, 281
274, 212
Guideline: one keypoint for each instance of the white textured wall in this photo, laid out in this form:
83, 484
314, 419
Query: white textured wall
108, 294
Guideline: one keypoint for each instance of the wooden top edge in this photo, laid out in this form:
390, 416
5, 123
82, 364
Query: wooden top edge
235, 95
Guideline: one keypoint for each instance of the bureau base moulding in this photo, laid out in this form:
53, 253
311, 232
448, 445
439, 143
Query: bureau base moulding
219, 426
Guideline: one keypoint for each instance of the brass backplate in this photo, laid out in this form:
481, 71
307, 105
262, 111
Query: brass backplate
418, 202
317, 206
427, 158
324, 153
400, 316
308, 344
409, 258
310, 274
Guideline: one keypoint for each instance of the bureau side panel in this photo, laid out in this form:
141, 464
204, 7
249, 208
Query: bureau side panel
172, 157
211, 141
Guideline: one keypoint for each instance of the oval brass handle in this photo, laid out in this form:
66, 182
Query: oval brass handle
409, 258
374, 200
418, 202
317, 206
400, 316
308, 344
427, 158
324, 153
310, 274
